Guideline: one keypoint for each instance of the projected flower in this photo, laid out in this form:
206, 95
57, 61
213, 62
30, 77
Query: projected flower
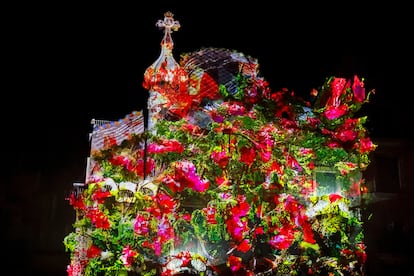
242, 190
241, 180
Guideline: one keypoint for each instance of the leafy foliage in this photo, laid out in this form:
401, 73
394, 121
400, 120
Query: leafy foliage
232, 188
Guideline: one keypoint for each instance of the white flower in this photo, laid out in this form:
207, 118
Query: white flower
317, 208
106, 255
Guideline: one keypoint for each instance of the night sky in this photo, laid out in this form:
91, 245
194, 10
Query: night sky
70, 63
66, 63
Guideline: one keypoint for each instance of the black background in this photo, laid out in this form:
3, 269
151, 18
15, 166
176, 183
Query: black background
66, 63
71, 62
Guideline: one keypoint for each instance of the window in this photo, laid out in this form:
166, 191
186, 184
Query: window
326, 182
329, 181
387, 178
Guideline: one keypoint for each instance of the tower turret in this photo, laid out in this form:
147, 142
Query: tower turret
164, 79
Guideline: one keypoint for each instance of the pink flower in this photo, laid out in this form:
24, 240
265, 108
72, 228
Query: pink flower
333, 145
242, 207
235, 263
98, 218
333, 112
174, 185
165, 230
247, 155
218, 118
346, 135
200, 185
210, 213
119, 160
355, 188
225, 196
306, 151
128, 256
244, 246
265, 155
293, 163
141, 225
186, 217
237, 227
220, 158
139, 167
166, 203
361, 253
165, 146
358, 89
365, 145
99, 196
306, 228
75, 269
236, 109
185, 175
93, 252
77, 201
334, 197
283, 239
259, 231
338, 86
222, 181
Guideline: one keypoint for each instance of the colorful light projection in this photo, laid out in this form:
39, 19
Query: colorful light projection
243, 180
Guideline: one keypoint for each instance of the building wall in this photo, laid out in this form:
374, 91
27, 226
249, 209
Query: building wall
389, 216
37, 215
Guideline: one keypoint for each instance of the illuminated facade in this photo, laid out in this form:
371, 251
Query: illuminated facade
225, 177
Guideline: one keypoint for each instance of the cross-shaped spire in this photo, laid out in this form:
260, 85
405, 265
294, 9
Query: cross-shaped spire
169, 25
